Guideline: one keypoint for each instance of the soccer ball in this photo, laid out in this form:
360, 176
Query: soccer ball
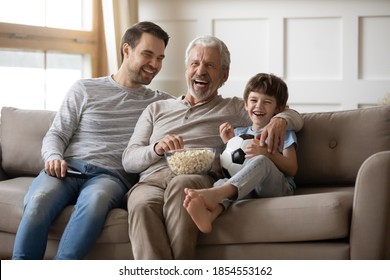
233, 157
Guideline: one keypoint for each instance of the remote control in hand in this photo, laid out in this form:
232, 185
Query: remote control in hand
75, 174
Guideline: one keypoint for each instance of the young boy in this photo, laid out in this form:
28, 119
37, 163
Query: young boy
263, 174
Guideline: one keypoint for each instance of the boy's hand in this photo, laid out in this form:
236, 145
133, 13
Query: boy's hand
254, 149
226, 132
275, 131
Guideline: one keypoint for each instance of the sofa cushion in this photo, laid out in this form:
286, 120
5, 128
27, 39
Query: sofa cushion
21, 137
302, 217
115, 229
333, 145
306, 216
12, 193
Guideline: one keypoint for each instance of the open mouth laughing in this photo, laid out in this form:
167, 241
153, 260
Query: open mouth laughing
258, 113
200, 84
149, 72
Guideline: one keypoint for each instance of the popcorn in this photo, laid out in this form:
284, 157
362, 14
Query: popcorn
190, 161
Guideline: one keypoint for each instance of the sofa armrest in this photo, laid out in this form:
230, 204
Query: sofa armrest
371, 209
3, 176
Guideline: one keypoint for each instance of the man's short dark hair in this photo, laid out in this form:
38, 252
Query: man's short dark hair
133, 34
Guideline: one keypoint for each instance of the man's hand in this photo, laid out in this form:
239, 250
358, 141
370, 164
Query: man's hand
169, 142
275, 131
56, 168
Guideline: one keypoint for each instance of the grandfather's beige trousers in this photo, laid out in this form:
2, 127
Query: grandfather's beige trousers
159, 226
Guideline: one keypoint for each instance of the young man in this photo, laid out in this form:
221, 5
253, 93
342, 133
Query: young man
263, 174
88, 135
159, 226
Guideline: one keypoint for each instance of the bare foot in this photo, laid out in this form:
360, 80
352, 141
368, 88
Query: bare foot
209, 197
190, 194
187, 200
201, 216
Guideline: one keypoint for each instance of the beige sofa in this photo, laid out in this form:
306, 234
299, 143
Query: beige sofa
341, 209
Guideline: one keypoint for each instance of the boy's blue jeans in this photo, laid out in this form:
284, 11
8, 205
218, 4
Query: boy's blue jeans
47, 196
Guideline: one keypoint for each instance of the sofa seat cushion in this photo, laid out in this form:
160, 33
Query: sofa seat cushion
302, 217
12, 193
115, 229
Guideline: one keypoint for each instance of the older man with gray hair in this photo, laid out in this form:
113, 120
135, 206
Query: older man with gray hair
159, 225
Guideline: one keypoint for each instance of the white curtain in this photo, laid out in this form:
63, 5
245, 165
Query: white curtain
118, 16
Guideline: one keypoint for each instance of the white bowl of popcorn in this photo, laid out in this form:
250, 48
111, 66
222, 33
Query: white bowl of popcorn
190, 160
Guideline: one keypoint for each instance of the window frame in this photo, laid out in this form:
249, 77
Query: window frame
27, 37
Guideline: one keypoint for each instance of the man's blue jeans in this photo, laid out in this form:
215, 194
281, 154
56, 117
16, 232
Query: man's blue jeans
93, 197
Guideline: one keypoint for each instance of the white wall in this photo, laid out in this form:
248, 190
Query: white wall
333, 54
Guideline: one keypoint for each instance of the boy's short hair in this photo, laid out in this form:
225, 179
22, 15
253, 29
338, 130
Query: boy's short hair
268, 84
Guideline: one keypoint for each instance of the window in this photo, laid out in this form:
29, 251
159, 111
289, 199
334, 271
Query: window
68, 14
42, 53
39, 80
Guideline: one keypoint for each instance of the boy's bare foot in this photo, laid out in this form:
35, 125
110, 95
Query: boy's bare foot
201, 216
186, 201
190, 194
210, 200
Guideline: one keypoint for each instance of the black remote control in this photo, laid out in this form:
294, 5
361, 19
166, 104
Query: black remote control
75, 174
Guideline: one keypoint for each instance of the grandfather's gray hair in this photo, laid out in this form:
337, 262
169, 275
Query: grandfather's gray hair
214, 42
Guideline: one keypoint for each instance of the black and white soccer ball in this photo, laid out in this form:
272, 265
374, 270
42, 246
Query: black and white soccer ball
233, 157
